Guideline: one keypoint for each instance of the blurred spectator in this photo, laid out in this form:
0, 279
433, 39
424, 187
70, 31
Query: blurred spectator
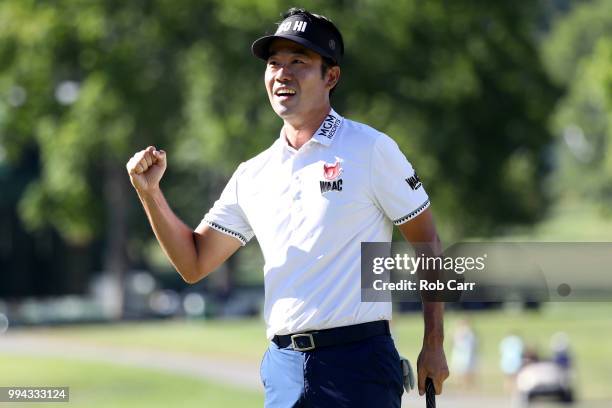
511, 349
543, 377
464, 358
530, 355
561, 356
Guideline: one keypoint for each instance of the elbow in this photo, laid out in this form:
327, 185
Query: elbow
189, 280
193, 277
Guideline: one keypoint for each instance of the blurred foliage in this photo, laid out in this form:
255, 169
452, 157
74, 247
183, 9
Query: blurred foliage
578, 54
574, 36
459, 85
84, 85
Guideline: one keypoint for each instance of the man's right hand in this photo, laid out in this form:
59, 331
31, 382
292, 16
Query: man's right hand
194, 254
146, 169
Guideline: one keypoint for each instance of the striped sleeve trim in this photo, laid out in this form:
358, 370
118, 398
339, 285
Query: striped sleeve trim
412, 214
227, 231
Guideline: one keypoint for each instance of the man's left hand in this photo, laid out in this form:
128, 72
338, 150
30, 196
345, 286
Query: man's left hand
432, 363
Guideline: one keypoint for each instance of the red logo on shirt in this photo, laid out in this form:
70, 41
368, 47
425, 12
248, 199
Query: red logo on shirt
332, 171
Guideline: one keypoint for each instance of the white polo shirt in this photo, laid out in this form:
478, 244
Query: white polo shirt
310, 210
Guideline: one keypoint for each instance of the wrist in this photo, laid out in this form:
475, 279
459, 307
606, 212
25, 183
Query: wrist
149, 194
433, 340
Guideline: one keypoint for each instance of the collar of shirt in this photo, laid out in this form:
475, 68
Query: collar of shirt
324, 135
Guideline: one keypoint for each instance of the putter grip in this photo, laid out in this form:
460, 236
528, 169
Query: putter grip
430, 393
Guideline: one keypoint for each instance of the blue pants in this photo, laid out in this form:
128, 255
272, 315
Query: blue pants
365, 374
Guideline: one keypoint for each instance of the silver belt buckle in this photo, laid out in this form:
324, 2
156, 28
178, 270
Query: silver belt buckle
295, 346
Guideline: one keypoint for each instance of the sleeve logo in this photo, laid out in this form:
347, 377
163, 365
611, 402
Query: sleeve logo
414, 182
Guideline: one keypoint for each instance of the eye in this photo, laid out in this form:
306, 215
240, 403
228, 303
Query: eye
272, 63
298, 61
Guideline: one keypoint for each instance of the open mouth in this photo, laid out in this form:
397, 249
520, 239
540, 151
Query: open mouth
284, 92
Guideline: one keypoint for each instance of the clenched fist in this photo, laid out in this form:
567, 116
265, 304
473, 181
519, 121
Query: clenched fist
146, 169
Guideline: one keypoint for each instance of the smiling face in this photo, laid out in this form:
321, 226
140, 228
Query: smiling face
294, 82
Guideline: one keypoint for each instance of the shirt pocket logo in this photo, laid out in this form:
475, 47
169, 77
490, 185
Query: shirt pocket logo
331, 175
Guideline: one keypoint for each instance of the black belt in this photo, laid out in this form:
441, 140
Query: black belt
332, 337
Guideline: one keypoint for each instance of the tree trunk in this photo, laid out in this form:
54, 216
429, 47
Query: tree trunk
115, 257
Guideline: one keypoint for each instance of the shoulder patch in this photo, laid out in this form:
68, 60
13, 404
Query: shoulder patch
414, 181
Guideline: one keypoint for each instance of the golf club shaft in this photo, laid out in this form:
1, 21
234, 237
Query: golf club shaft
430, 393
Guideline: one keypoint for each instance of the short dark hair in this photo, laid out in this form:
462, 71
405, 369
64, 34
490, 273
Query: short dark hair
327, 63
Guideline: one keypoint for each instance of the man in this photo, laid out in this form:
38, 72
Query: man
323, 187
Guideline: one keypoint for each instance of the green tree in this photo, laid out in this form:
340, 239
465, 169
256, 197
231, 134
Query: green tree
86, 84
462, 89
578, 54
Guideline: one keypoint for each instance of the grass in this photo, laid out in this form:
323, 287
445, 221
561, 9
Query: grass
588, 325
567, 222
94, 385
235, 339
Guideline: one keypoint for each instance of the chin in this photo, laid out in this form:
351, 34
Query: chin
283, 111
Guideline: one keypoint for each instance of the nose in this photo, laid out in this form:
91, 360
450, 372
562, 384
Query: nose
283, 73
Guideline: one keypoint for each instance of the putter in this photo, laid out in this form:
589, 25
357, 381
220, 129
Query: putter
430, 393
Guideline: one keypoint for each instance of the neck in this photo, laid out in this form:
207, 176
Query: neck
298, 131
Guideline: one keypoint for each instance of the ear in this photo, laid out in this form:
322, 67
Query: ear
333, 76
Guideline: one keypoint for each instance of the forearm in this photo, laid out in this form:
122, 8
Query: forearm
175, 238
433, 319
433, 307
421, 233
